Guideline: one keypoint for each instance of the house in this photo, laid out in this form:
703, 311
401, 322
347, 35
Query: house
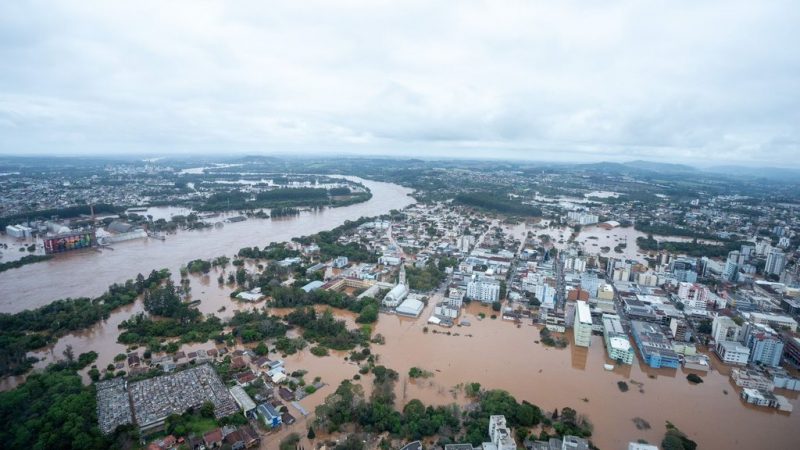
269, 415
245, 378
238, 363
234, 440
286, 394
213, 438
250, 437
287, 418
261, 361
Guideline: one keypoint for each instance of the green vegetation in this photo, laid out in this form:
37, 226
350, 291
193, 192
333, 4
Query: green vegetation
32, 329
252, 326
690, 248
289, 346
416, 372
496, 202
425, 279
72, 211
282, 199
29, 259
319, 351
199, 266
348, 406
51, 410
674, 439
547, 339
325, 329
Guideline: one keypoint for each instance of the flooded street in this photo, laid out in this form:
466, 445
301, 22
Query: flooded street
89, 273
500, 355
495, 353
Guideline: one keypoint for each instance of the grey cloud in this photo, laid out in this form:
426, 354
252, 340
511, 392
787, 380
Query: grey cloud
672, 80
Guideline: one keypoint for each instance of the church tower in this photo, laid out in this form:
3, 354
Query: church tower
401, 279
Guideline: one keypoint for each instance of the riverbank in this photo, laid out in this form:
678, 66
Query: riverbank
88, 274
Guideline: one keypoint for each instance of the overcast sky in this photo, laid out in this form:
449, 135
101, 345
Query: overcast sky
702, 82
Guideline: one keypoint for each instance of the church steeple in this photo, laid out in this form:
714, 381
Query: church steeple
401, 279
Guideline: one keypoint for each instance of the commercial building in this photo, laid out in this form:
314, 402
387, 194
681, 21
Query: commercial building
654, 346
731, 352
751, 379
244, 401
19, 231
583, 325
680, 331
618, 345
693, 295
411, 307
70, 241
766, 398
723, 328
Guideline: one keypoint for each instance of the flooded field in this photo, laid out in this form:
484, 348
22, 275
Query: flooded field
89, 273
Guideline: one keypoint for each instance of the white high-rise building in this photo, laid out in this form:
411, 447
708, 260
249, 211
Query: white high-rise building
731, 266
776, 260
500, 434
483, 288
582, 328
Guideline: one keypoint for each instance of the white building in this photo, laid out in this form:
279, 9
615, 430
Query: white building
693, 295
19, 231
723, 328
776, 260
411, 307
732, 352
581, 218
500, 434
618, 345
398, 293
583, 325
483, 288
455, 297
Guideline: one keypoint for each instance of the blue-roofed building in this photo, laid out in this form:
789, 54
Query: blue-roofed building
270, 416
654, 346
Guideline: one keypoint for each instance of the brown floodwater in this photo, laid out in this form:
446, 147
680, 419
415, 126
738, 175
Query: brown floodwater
89, 273
502, 355
495, 353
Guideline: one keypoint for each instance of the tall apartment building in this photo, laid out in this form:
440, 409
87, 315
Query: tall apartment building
483, 288
776, 261
590, 282
583, 325
500, 434
766, 347
731, 266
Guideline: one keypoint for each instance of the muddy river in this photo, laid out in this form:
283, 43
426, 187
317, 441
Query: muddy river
89, 273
